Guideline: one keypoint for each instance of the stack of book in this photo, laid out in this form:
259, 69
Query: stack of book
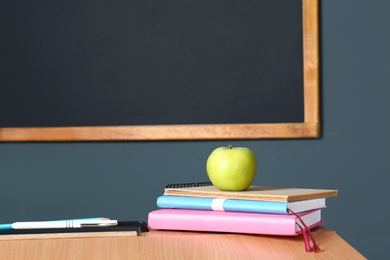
257, 210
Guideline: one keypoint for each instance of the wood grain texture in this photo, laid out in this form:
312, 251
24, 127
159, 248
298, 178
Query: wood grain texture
311, 60
162, 132
68, 235
181, 245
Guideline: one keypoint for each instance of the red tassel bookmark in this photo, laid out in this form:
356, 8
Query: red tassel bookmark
306, 230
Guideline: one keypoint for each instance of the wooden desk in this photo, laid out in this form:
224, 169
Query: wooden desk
179, 245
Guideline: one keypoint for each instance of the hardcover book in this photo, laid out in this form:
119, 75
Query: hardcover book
238, 205
233, 222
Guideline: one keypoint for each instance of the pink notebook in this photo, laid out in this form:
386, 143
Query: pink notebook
232, 222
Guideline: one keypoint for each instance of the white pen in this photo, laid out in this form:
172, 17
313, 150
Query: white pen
64, 224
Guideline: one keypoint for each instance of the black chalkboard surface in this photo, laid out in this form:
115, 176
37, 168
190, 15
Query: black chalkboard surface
94, 65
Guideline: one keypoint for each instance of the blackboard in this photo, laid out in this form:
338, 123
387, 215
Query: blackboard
150, 70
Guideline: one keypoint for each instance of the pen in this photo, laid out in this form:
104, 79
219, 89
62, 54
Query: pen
60, 224
9, 226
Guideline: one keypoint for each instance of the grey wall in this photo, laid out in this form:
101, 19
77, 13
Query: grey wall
123, 179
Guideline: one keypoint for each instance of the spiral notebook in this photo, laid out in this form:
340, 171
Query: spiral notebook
283, 194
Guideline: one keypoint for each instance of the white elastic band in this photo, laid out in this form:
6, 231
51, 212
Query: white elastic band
217, 204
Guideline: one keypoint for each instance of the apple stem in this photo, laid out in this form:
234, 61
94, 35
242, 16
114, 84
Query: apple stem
230, 146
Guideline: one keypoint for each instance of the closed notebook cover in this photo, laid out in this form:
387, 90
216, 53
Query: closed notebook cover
239, 205
232, 222
252, 193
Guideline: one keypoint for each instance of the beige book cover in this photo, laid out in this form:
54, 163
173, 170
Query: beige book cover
252, 193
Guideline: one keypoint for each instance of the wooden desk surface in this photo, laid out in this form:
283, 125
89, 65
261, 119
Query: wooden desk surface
179, 245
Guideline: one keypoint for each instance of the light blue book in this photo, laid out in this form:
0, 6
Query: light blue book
239, 205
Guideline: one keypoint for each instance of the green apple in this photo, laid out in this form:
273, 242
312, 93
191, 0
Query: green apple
231, 168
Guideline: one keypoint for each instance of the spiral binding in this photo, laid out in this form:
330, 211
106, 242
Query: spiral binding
188, 185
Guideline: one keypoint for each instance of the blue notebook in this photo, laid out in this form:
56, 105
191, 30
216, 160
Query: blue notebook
238, 205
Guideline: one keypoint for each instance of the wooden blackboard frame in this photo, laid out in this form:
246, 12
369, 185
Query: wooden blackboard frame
310, 128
